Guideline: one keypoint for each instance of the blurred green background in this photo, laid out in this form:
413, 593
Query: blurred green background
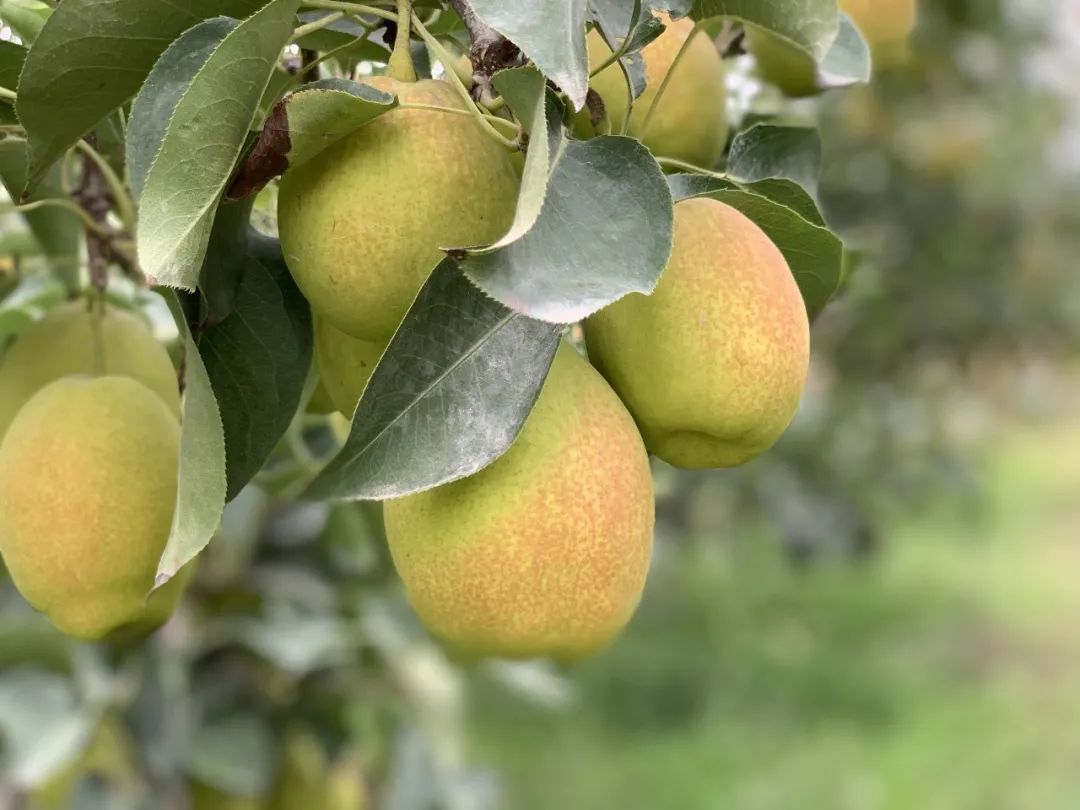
878, 615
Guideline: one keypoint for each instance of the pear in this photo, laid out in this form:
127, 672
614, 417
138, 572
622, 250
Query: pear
88, 474
345, 364
545, 552
362, 223
64, 343
690, 123
712, 365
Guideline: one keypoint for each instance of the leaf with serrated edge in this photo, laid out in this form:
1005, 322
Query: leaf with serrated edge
258, 359
448, 397
200, 497
322, 113
156, 102
109, 46
604, 232
203, 141
550, 32
526, 93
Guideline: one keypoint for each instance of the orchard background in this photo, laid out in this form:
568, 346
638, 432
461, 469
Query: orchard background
876, 613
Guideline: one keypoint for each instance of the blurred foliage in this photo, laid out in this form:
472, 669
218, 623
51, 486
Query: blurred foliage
294, 665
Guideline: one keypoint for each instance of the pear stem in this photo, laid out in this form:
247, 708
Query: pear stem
494, 119
67, 205
664, 84
401, 65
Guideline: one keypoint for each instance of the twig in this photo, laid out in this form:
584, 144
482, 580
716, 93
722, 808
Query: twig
94, 197
490, 52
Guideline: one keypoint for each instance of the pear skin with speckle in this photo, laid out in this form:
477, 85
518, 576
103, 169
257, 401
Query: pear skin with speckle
545, 552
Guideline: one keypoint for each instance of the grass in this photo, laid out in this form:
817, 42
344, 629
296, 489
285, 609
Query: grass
941, 676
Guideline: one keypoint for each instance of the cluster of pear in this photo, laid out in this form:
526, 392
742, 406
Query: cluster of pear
884, 24
545, 552
90, 426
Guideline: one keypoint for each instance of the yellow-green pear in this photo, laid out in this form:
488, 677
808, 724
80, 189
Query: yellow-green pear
361, 224
88, 474
885, 25
64, 343
712, 365
545, 552
345, 364
690, 121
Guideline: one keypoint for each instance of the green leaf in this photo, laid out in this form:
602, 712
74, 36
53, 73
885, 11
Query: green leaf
304, 124
810, 25
258, 357
526, 94
12, 57
42, 725
323, 112
848, 60
550, 32
236, 756
91, 57
609, 189
604, 231
767, 151
201, 487
814, 254
156, 102
448, 397
205, 137
346, 35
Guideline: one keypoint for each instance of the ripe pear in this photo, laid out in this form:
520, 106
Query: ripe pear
690, 122
712, 365
345, 364
88, 474
885, 25
362, 223
545, 552
63, 343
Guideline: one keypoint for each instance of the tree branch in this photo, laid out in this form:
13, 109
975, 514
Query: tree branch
95, 197
491, 51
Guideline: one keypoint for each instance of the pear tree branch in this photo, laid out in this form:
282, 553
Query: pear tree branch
490, 52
